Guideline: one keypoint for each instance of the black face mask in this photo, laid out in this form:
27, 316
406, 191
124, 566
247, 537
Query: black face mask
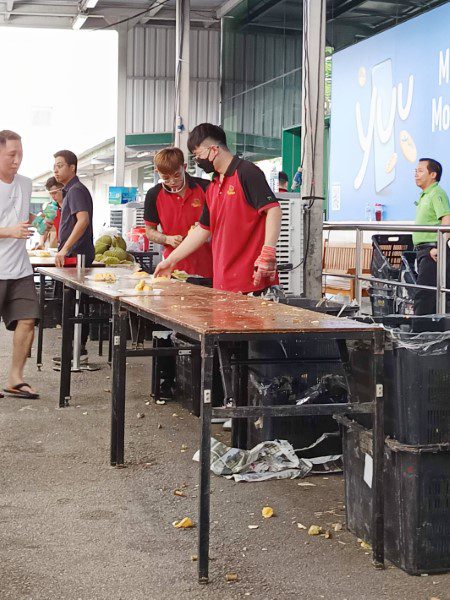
205, 164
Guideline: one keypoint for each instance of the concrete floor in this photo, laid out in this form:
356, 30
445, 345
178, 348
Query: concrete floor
73, 528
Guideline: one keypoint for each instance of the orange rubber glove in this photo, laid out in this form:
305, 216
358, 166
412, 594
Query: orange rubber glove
265, 265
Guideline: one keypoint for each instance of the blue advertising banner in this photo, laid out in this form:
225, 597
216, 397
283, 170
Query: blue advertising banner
390, 106
122, 195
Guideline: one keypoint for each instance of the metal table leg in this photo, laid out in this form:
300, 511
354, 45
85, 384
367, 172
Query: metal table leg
378, 453
100, 338
119, 346
110, 341
239, 426
66, 346
207, 353
41, 321
77, 335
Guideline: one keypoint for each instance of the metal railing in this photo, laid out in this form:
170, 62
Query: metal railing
360, 228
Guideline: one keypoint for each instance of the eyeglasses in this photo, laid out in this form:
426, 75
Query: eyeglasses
202, 152
60, 165
171, 177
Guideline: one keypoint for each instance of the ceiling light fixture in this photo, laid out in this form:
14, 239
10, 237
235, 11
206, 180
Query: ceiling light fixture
91, 3
109, 168
79, 21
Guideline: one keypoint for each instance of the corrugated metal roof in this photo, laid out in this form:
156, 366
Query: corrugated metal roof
346, 18
151, 78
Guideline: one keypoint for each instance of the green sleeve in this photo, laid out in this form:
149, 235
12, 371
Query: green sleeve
441, 204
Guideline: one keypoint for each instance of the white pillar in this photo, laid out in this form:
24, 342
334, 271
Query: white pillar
182, 77
119, 150
312, 127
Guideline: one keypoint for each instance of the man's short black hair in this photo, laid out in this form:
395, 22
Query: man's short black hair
68, 156
206, 131
433, 166
282, 176
51, 183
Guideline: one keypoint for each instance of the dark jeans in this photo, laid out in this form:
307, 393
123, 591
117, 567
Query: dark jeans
425, 300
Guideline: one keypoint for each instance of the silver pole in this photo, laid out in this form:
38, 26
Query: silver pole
312, 132
359, 265
77, 327
119, 147
443, 232
388, 227
182, 74
441, 269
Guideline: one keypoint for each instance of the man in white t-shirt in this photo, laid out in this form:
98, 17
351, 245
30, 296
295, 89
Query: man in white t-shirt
19, 306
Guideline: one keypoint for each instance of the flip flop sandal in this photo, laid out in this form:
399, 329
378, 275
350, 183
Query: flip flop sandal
19, 392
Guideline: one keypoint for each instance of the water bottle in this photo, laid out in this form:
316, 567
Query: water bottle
379, 212
48, 213
273, 180
368, 212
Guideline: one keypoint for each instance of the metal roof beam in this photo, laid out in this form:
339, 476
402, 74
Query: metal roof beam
8, 8
342, 7
227, 8
395, 3
47, 10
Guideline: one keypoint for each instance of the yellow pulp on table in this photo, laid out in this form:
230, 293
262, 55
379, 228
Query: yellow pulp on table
139, 274
141, 286
105, 277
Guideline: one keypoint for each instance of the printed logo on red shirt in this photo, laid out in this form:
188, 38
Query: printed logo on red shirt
196, 202
231, 191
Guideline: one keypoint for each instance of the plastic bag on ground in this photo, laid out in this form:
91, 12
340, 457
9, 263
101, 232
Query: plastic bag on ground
275, 459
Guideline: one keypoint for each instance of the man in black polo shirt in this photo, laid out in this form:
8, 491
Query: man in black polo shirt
75, 230
241, 215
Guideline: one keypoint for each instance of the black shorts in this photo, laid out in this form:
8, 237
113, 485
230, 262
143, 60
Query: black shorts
18, 301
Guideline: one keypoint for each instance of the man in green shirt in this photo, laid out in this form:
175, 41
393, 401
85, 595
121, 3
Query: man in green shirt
433, 208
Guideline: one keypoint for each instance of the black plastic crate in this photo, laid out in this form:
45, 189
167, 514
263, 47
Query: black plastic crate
416, 385
188, 375
145, 260
328, 306
387, 255
315, 359
418, 382
188, 370
416, 500
383, 301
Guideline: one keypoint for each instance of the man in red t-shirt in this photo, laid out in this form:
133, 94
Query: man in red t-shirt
241, 215
175, 205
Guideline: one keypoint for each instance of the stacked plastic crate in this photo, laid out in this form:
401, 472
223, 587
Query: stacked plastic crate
417, 450
393, 259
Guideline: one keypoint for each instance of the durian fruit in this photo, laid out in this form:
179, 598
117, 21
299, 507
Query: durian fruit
111, 260
98, 258
105, 239
119, 242
100, 247
117, 253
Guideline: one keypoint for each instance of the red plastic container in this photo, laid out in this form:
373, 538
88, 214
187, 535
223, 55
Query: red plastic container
137, 234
